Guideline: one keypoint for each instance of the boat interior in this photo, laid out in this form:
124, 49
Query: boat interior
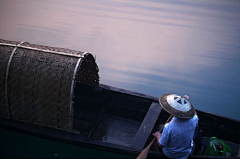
108, 116
125, 119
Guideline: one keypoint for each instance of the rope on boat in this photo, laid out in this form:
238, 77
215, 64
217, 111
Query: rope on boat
6, 78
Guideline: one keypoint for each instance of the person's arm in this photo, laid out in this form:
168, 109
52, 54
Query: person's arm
158, 135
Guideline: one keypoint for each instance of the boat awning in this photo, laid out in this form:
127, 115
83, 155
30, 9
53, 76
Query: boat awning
37, 82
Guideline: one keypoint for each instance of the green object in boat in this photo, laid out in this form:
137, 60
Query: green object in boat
217, 147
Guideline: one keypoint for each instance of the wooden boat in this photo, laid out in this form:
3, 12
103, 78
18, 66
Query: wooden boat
114, 120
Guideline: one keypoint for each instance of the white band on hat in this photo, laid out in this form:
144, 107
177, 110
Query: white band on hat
178, 102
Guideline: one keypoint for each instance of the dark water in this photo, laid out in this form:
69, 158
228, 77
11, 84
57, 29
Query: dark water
153, 47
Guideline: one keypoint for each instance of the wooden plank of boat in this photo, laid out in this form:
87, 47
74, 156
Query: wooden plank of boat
235, 147
147, 125
219, 126
128, 92
238, 155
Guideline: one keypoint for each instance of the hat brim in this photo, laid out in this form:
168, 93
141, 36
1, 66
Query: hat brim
168, 108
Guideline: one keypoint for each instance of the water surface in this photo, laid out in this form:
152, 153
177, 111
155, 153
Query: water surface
153, 47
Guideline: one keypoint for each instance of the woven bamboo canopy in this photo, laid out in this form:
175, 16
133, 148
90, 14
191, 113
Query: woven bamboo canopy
37, 82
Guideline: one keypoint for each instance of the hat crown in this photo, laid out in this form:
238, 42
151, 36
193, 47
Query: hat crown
178, 102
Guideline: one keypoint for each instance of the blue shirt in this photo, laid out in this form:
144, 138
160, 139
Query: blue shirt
177, 137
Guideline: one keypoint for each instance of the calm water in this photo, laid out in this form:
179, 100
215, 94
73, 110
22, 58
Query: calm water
153, 47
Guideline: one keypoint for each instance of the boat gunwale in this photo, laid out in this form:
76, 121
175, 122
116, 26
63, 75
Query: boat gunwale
132, 93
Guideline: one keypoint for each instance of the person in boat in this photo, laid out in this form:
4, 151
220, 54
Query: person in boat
176, 140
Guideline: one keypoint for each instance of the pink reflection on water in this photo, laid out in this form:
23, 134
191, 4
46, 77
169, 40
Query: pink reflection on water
162, 44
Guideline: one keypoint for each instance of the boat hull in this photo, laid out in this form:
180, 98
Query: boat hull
119, 131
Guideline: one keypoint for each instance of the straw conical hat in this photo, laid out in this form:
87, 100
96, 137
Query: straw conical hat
177, 106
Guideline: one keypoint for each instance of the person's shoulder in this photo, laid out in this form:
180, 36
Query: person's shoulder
170, 125
195, 118
167, 126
